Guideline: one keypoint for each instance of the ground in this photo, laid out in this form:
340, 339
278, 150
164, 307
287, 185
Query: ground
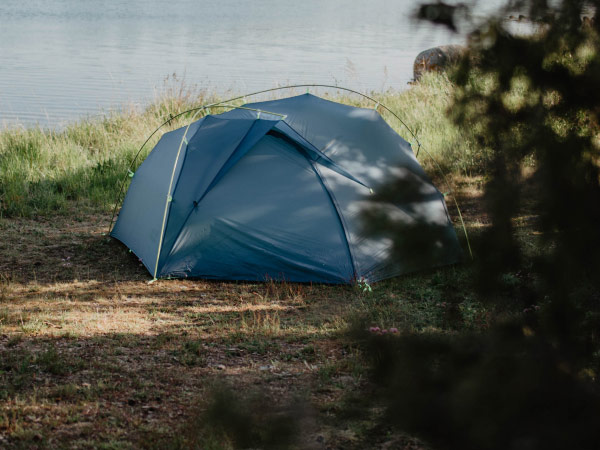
93, 356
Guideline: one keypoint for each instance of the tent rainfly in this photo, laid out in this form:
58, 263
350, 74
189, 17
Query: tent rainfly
276, 191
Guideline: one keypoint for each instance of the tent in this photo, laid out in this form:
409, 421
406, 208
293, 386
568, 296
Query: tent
275, 191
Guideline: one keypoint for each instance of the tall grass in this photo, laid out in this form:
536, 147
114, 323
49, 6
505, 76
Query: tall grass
427, 110
44, 171
82, 165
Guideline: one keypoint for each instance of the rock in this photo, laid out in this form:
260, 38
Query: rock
436, 58
588, 21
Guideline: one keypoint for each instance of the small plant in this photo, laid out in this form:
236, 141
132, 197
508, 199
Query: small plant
191, 354
383, 331
364, 286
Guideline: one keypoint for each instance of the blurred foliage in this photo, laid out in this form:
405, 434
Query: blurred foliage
231, 419
531, 380
528, 379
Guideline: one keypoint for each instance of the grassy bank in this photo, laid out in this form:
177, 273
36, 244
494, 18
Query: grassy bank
92, 356
49, 172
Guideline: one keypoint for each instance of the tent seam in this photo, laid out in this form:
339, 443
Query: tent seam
333, 201
169, 194
351, 177
194, 207
339, 215
210, 185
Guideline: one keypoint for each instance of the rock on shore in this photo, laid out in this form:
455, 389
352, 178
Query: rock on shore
436, 58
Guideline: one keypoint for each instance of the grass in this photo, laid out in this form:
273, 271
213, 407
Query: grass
92, 356
47, 172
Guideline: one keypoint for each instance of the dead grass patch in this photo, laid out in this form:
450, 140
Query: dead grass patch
92, 355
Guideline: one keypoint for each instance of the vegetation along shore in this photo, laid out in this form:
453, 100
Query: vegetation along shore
498, 352
93, 355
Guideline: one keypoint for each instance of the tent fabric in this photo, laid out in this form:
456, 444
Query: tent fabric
248, 196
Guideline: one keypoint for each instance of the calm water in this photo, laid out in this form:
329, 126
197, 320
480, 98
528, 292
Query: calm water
64, 59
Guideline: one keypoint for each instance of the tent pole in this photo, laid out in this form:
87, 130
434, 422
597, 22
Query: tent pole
169, 193
171, 117
169, 198
293, 86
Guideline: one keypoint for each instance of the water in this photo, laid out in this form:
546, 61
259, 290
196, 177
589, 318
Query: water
64, 59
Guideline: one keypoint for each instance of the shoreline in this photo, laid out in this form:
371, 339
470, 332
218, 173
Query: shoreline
49, 171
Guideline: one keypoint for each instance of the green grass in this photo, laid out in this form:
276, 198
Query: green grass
93, 356
49, 172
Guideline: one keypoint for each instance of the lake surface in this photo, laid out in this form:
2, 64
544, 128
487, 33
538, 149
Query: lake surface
65, 59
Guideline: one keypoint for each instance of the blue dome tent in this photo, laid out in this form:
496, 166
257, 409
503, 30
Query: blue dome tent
274, 190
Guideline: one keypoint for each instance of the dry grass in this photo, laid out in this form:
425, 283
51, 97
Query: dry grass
92, 356
48, 172
91, 353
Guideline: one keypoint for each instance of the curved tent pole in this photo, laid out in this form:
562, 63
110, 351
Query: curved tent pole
221, 104
171, 118
217, 104
169, 198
